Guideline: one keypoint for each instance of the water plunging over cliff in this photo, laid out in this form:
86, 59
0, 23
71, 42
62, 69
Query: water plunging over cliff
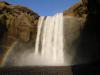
49, 42
49, 48
56, 43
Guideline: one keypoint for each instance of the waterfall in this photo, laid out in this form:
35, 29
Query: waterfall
55, 45
49, 47
50, 40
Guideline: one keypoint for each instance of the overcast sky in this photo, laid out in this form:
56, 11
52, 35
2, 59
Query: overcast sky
45, 7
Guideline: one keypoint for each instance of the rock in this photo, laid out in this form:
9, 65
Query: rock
16, 23
77, 10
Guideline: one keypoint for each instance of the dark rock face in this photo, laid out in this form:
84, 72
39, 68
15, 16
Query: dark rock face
87, 50
89, 47
16, 23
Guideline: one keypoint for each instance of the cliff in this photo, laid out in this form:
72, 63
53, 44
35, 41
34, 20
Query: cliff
16, 23
78, 10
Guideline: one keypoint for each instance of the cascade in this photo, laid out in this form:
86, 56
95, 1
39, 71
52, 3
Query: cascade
54, 43
49, 42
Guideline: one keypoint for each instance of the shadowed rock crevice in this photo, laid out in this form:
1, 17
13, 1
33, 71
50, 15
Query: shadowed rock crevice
89, 46
88, 51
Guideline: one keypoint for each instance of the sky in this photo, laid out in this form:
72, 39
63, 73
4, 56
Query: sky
45, 7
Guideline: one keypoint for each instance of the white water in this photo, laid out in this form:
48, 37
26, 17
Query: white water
49, 47
50, 38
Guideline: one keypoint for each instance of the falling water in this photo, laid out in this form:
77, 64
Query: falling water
50, 40
54, 43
